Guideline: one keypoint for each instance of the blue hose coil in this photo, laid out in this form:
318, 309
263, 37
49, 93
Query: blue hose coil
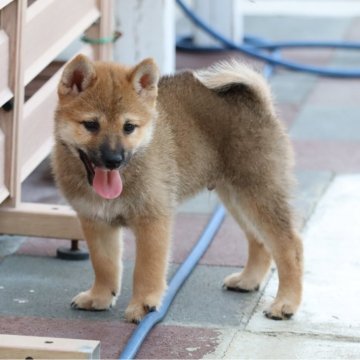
255, 47
185, 269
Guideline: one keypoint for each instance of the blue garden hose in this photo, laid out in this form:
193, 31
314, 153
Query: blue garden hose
185, 269
270, 53
256, 48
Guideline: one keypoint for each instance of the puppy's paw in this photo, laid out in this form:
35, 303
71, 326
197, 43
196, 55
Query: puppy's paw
93, 300
280, 310
240, 283
137, 309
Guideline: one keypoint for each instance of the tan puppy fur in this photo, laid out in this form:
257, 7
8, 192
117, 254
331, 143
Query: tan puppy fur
214, 128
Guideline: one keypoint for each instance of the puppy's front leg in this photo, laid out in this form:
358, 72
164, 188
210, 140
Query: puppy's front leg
152, 251
104, 242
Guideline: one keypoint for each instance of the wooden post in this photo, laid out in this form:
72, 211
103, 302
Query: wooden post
103, 28
148, 30
12, 21
106, 28
224, 16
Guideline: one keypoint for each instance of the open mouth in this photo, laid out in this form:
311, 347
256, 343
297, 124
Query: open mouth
90, 168
106, 183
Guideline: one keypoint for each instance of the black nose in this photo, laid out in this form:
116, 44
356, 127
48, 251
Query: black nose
112, 159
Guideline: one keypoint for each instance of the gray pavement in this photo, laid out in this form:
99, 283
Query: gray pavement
327, 123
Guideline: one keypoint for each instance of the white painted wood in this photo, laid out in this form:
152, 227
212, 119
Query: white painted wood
38, 122
45, 37
105, 29
224, 16
30, 219
43, 149
8, 120
323, 8
5, 95
17, 75
37, 125
3, 191
23, 347
148, 30
3, 3
5, 92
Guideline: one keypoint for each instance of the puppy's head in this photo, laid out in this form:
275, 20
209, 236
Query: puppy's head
105, 114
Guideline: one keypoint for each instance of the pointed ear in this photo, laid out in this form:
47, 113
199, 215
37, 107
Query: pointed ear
77, 76
145, 77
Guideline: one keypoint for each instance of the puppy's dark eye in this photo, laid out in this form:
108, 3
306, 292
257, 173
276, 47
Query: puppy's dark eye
92, 126
129, 128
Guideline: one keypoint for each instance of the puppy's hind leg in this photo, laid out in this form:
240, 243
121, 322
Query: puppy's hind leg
259, 259
256, 268
270, 212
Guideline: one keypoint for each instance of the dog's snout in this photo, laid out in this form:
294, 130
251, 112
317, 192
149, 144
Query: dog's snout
112, 159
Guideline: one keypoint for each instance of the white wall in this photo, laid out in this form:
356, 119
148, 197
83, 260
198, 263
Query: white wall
148, 30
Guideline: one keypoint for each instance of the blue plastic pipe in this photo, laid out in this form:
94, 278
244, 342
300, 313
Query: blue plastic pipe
185, 269
256, 50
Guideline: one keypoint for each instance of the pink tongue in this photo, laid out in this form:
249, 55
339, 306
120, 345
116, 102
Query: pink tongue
107, 183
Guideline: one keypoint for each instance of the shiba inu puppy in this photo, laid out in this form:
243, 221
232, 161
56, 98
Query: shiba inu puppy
130, 146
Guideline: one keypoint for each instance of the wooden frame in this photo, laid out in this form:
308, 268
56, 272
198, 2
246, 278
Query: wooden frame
31, 219
24, 148
73, 18
35, 347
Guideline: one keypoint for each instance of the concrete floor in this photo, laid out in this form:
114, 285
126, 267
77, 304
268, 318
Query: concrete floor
328, 324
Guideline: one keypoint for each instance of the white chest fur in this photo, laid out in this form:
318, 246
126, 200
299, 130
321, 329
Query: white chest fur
95, 207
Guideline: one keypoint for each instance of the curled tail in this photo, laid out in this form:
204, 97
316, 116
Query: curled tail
224, 75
